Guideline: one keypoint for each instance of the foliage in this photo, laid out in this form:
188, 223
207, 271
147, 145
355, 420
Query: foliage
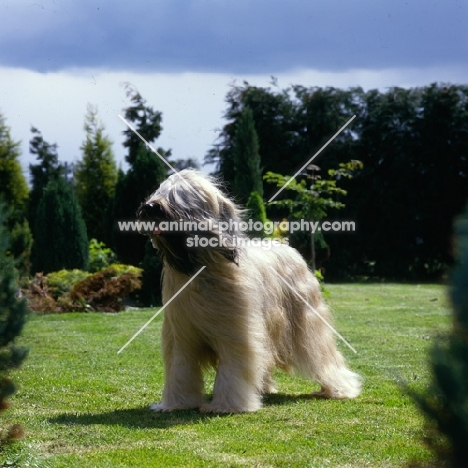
14, 193
100, 256
412, 143
313, 202
256, 211
105, 290
47, 168
274, 115
99, 417
247, 171
39, 297
13, 186
143, 177
95, 177
150, 293
62, 282
78, 290
60, 233
21, 242
445, 404
181, 164
13, 316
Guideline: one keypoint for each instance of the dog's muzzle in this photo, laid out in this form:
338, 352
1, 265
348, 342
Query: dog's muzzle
149, 215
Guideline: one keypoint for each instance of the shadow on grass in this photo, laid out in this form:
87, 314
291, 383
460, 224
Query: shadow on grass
139, 418
144, 418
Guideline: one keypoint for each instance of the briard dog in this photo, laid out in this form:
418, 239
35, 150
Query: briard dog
249, 311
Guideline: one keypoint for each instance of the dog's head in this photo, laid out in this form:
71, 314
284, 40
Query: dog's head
183, 219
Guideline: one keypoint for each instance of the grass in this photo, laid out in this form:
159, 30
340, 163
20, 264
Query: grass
83, 405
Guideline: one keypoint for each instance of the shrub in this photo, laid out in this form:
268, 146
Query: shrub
39, 298
100, 256
105, 290
77, 290
61, 282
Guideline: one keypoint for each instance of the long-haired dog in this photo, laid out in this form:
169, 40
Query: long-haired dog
248, 311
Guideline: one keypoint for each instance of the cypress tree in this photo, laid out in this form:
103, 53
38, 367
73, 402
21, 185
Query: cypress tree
256, 211
143, 177
61, 241
47, 168
95, 177
247, 171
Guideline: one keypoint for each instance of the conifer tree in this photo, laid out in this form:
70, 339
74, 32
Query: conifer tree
60, 240
13, 315
445, 404
96, 177
256, 211
47, 168
14, 193
13, 186
247, 170
143, 177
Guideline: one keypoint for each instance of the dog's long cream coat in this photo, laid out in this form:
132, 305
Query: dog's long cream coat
237, 315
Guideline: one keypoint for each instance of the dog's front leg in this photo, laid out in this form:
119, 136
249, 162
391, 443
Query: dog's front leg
183, 386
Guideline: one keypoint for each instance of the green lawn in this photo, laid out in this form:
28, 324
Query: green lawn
83, 405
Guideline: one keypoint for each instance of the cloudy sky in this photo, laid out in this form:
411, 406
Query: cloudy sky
56, 56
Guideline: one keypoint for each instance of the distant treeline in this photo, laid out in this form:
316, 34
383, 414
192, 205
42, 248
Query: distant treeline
413, 144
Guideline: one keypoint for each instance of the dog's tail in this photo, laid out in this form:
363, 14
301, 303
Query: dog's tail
339, 382
318, 358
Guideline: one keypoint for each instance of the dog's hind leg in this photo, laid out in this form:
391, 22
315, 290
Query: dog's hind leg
232, 392
269, 384
238, 383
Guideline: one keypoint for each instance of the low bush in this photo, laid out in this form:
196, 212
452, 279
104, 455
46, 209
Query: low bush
76, 290
39, 298
106, 290
100, 256
61, 282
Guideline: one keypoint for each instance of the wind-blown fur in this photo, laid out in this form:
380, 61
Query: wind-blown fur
237, 315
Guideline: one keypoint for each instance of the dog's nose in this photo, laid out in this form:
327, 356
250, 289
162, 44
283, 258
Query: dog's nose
148, 211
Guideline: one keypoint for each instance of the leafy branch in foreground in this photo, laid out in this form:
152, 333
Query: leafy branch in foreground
445, 403
13, 314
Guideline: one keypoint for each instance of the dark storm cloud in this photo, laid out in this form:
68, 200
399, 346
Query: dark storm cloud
255, 36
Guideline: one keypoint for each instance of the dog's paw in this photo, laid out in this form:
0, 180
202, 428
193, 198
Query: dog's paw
164, 408
158, 407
